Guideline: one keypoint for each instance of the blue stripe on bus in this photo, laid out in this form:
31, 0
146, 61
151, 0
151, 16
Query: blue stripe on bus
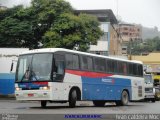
108, 88
32, 85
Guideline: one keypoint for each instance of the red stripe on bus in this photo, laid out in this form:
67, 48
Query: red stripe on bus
88, 74
41, 83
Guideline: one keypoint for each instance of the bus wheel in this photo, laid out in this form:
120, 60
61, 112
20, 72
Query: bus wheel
153, 100
99, 103
124, 99
72, 98
43, 104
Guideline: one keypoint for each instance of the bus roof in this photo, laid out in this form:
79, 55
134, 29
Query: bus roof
52, 50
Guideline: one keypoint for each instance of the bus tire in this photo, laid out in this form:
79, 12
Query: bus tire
153, 100
72, 98
99, 103
43, 103
124, 99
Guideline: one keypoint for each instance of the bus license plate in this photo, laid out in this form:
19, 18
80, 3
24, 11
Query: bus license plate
30, 95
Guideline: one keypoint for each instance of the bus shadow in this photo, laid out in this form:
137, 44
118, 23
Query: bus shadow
85, 106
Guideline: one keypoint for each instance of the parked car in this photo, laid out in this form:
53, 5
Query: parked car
157, 93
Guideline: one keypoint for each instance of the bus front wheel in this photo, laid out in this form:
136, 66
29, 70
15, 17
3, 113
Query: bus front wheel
124, 99
43, 104
72, 98
153, 100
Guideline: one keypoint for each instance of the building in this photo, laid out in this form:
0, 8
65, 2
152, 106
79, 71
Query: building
3, 7
151, 64
109, 43
129, 33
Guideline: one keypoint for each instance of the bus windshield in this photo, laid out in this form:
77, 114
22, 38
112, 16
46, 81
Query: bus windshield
148, 78
35, 67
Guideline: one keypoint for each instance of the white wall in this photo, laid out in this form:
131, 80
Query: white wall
6, 57
102, 45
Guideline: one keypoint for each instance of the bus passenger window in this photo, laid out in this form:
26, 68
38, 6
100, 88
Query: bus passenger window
58, 70
99, 65
59, 65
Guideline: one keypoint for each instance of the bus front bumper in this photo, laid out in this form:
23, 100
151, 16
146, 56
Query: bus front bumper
33, 95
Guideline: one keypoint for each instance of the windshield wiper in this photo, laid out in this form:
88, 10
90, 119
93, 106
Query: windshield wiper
33, 76
26, 75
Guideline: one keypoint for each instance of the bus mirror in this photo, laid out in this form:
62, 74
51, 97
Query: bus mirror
11, 67
54, 74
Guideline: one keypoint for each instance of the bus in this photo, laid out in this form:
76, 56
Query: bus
62, 75
149, 87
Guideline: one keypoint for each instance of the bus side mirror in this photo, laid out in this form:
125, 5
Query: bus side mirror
54, 74
11, 67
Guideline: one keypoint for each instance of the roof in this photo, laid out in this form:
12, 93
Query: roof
152, 58
101, 14
128, 24
52, 50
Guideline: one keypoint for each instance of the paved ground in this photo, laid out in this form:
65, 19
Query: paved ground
83, 107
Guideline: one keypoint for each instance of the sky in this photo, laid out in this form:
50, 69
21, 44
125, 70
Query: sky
144, 12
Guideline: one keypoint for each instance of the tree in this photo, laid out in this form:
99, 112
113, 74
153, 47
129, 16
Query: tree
15, 31
149, 45
70, 31
51, 23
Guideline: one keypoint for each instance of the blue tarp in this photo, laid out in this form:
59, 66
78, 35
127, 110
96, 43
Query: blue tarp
7, 83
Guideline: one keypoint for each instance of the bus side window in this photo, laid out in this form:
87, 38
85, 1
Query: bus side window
99, 65
58, 67
86, 63
125, 68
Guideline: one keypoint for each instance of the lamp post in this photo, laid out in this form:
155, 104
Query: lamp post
130, 49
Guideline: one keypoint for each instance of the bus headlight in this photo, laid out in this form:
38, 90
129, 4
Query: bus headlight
17, 88
45, 88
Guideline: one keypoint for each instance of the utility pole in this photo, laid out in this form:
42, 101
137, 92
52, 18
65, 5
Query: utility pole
130, 49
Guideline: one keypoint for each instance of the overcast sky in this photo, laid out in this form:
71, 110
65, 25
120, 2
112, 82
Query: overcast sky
143, 12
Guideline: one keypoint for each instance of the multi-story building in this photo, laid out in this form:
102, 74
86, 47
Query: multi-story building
129, 33
109, 43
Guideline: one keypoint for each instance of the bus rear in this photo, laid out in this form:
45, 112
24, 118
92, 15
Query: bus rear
149, 88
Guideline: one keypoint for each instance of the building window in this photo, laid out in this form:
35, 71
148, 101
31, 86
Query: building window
125, 33
125, 28
104, 37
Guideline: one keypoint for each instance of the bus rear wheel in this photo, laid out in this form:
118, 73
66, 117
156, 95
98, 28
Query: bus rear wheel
124, 99
99, 103
72, 98
43, 104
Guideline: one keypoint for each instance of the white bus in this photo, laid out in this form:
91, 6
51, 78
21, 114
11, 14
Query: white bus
149, 87
61, 75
